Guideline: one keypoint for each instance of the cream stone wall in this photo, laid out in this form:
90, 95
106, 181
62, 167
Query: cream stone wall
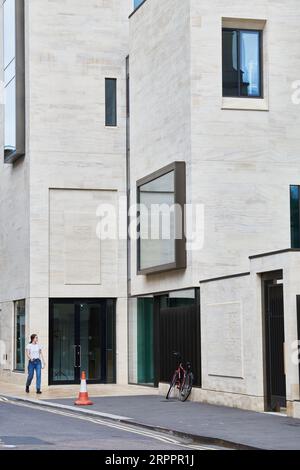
160, 110
240, 162
231, 332
290, 264
71, 47
244, 160
14, 238
241, 155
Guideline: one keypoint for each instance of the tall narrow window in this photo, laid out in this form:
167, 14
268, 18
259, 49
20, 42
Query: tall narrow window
20, 335
242, 63
110, 102
295, 216
14, 80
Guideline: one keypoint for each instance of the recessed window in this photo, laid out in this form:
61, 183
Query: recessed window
110, 102
242, 63
20, 335
14, 80
161, 239
295, 216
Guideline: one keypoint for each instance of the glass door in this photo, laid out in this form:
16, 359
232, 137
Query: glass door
82, 338
63, 344
92, 326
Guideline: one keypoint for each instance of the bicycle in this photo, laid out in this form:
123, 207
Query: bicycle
182, 379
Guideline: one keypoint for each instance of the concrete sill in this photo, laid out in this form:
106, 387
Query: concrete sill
246, 104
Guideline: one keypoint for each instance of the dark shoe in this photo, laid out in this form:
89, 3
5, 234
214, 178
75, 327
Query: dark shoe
38, 392
27, 389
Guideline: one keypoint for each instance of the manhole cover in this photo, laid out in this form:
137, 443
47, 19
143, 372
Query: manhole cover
22, 441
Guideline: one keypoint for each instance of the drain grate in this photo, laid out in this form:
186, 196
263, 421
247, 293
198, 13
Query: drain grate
22, 441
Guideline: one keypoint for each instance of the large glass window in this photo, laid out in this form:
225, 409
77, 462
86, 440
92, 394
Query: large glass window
161, 200
141, 353
110, 102
242, 63
14, 86
20, 335
295, 216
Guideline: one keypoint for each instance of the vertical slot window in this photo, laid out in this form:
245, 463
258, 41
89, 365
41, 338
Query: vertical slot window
110, 102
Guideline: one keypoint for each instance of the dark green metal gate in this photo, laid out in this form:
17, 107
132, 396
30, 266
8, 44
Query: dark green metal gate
274, 328
179, 330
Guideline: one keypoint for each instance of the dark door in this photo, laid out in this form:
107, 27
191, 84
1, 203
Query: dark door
179, 330
274, 328
82, 338
298, 328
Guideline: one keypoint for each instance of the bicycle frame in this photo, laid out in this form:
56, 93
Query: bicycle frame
181, 373
181, 376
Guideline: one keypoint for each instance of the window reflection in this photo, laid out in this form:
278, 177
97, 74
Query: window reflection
157, 243
250, 63
20, 335
14, 82
295, 216
241, 63
9, 31
9, 42
137, 3
10, 116
110, 102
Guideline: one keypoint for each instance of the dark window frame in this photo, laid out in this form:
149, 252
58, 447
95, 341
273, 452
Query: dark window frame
294, 243
16, 315
109, 123
110, 302
10, 156
261, 63
179, 169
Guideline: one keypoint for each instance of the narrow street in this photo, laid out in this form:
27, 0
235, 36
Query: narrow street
25, 426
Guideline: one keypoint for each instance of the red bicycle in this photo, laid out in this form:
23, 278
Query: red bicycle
182, 380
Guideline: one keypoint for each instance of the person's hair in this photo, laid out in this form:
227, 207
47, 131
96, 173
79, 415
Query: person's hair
32, 338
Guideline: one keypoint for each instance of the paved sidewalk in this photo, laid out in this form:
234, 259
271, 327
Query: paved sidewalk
259, 430
144, 405
71, 391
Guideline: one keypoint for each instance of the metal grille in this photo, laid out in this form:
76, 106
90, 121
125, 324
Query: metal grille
275, 346
179, 331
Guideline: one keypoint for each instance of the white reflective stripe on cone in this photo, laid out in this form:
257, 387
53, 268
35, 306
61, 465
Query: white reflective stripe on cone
83, 386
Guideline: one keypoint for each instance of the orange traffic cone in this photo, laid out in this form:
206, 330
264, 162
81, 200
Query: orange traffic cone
83, 398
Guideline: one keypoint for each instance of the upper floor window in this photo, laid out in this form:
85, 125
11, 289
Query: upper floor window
161, 239
242, 63
295, 216
14, 81
137, 3
110, 102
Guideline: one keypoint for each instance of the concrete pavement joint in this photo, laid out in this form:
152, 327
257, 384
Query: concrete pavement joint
130, 421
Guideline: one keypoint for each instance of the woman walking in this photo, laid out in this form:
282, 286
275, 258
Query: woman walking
36, 362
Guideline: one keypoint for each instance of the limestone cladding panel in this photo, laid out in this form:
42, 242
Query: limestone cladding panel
73, 47
81, 263
240, 163
231, 337
160, 107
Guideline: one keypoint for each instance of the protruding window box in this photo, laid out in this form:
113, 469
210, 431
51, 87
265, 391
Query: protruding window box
161, 242
14, 80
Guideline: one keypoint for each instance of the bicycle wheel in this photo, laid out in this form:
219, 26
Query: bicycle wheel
172, 385
186, 387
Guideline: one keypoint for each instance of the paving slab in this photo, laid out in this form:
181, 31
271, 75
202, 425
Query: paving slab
259, 430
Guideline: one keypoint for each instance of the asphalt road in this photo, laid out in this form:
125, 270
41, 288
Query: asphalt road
25, 426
